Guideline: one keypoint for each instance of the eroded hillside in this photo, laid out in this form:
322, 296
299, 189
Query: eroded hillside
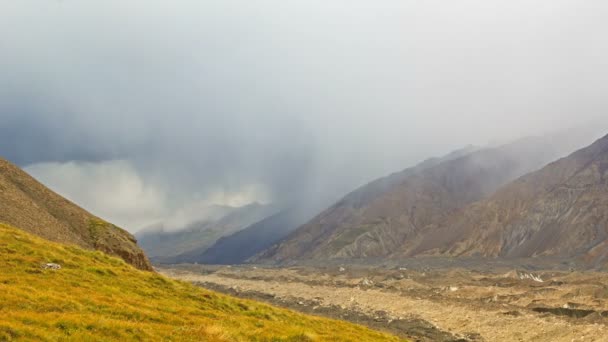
561, 210
376, 220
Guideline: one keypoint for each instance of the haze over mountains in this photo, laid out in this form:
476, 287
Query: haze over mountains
176, 113
389, 217
560, 210
241, 246
166, 246
432, 208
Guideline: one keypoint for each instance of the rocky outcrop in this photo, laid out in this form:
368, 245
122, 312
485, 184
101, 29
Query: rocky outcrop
27, 204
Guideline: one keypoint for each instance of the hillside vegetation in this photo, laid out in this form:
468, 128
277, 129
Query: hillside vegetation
96, 297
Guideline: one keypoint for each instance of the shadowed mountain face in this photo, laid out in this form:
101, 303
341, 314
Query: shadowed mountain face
560, 210
377, 220
241, 246
165, 246
29, 205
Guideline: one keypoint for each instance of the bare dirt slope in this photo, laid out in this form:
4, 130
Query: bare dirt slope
430, 305
27, 204
376, 220
560, 210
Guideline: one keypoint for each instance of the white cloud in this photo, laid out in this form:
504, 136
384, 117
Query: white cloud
117, 192
112, 190
308, 98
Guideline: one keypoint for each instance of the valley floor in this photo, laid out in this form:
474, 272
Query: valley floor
428, 305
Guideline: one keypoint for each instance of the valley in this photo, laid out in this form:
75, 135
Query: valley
304, 171
495, 302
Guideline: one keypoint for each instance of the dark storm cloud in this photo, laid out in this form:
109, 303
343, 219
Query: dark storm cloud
300, 98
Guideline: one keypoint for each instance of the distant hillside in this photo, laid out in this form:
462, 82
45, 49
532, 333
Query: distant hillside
238, 247
29, 205
95, 297
164, 246
376, 220
560, 210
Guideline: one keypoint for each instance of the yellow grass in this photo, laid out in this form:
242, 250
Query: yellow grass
95, 297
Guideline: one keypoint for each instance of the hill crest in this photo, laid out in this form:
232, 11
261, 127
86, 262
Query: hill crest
29, 205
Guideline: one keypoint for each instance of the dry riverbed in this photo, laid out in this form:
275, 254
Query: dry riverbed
428, 305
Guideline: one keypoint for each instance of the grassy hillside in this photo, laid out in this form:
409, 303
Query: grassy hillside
98, 297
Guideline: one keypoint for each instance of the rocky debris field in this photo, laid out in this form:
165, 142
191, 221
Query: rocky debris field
453, 304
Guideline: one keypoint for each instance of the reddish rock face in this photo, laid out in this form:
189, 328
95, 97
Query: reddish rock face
27, 204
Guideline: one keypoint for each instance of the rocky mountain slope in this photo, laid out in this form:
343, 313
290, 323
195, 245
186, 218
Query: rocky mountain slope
165, 245
27, 204
560, 210
376, 220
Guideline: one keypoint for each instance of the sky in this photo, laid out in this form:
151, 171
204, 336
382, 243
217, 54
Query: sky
147, 111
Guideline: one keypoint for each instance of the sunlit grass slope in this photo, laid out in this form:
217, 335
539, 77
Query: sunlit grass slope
95, 297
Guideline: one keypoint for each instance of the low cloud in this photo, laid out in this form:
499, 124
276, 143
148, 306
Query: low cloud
301, 100
116, 191
113, 190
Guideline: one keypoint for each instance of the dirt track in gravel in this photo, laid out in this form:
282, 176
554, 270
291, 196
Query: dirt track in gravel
428, 305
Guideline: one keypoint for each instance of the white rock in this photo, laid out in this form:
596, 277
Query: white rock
530, 276
366, 282
51, 266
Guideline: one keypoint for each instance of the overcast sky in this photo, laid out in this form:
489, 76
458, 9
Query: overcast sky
144, 111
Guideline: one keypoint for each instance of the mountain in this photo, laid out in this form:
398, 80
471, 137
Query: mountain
95, 297
239, 247
165, 246
558, 211
377, 219
29, 205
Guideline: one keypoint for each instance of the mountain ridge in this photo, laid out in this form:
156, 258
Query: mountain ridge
425, 197
559, 210
241, 246
168, 246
